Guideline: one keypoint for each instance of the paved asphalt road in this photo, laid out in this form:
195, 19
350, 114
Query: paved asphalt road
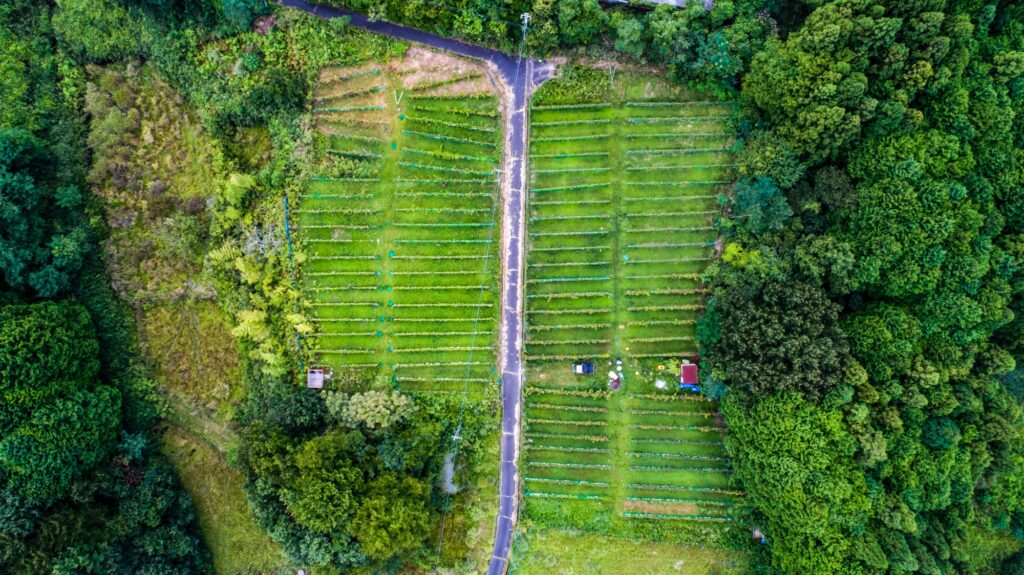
518, 73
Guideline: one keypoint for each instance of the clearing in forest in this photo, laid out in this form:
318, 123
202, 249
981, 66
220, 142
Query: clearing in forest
626, 174
399, 225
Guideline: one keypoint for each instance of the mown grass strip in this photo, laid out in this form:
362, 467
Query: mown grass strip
446, 81
351, 94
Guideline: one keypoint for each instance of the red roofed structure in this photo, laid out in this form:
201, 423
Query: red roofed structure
688, 374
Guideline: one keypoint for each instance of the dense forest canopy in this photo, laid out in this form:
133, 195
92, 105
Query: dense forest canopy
864, 331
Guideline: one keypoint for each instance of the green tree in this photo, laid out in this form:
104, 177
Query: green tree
759, 207
393, 516
776, 336
795, 460
42, 241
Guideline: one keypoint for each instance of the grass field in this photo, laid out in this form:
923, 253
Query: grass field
573, 553
237, 544
625, 181
400, 225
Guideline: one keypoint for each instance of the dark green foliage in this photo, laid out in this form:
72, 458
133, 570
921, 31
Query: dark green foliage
777, 336
352, 495
889, 127
41, 238
56, 424
760, 207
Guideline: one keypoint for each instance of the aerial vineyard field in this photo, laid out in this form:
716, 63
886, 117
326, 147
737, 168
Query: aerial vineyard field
400, 224
625, 183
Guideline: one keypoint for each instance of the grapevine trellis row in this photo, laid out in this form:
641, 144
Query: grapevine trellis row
394, 238
621, 206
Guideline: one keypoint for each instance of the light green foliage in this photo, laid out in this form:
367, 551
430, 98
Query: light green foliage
815, 87
326, 483
795, 460
375, 411
100, 30
580, 21
392, 516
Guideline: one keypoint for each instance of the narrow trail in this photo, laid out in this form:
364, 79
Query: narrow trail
520, 76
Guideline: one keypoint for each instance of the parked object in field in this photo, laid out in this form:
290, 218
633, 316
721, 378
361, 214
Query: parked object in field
583, 368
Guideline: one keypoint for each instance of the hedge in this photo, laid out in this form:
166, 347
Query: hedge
352, 94
591, 438
569, 342
569, 264
700, 489
570, 422
530, 357
670, 468
447, 155
567, 481
571, 188
569, 295
445, 169
451, 124
573, 138
590, 393
351, 109
573, 106
529, 493
446, 81
570, 202
682, 167
714, 518
569, 279
568, 156
569, 312
449, 138
644, 293
678, 119
570, 465
459, 111
586, 408
534, 447
653, 103
569, 123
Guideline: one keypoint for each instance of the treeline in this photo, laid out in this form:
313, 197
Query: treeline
704, 43
345, 479
83, 488
865, 318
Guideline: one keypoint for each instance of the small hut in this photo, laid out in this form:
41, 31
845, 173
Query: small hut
315, 377
688, 376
